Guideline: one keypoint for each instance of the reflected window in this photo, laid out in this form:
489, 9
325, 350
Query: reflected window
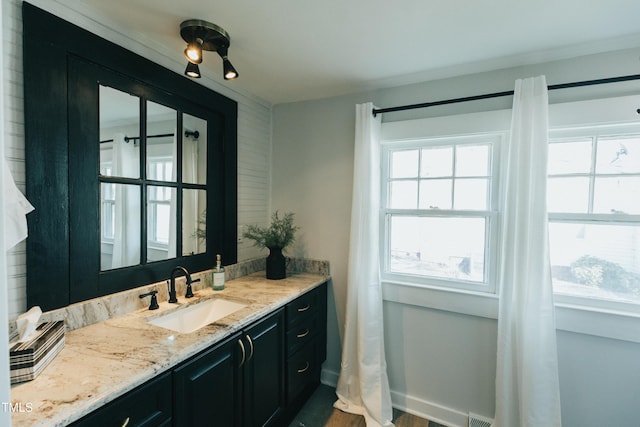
161, 220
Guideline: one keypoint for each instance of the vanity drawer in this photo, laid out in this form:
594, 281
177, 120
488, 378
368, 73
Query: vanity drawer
303, 307
302, 372
301, 333
146, 406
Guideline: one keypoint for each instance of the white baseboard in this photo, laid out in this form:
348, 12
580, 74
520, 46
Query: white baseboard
329, 377
429, 410
412, 405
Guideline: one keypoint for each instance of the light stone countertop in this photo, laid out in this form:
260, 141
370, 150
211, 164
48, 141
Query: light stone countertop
103, 361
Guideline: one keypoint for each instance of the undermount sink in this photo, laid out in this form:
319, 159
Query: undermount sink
194, 317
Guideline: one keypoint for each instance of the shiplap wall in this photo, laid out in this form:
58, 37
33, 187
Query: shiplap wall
254, 134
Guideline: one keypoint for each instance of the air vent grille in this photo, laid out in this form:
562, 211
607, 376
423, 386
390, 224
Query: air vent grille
478, 421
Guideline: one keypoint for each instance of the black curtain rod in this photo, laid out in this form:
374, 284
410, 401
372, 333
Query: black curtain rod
187, 133
505, 93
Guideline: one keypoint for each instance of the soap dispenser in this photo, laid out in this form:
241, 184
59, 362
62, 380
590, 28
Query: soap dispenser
218, 275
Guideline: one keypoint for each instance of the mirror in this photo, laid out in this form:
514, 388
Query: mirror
120, 226
194, 150
83, 96
121, 145
161, 223
194, 216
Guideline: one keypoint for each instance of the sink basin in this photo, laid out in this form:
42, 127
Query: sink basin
194, 317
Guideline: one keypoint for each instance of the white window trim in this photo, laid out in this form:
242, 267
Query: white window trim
572, 315
496, 139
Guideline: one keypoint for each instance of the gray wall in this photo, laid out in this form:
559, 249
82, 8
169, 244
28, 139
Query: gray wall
442, 364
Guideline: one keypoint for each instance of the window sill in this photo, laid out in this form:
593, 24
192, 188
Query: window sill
570, 318
455, 300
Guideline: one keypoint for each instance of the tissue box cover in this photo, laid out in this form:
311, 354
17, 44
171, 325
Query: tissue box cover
27, 359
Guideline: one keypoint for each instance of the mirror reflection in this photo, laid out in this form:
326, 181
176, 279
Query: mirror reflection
119, 121
161, 142
194, 150
119, 225
161, 223
194, 232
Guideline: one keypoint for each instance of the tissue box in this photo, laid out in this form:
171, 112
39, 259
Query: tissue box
27, 359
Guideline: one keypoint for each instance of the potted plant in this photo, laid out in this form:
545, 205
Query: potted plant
276, 237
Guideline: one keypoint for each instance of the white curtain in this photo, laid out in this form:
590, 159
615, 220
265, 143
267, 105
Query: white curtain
173, 206
363, 386
16, 207
190, 202
126, 241
527, 389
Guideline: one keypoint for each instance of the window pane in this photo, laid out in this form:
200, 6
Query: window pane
194, 221
472, 160
451, 248
404, 164
569, 195
435, 194
617, 195
596, 261
403, 194
570, 157
437, 162
471, 194
194, 150
119, 119
161, 141
619, 155
161, 223
120, 217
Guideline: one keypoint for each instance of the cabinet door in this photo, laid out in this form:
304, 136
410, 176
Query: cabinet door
207, 388
264, 371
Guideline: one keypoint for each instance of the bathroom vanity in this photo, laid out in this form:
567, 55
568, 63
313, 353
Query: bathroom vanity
256, 366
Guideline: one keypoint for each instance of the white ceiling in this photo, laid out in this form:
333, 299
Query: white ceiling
291, 50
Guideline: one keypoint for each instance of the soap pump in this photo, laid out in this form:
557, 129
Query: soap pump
218, 275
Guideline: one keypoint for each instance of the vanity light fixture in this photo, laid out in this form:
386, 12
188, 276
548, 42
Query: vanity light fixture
202, 35
192, 70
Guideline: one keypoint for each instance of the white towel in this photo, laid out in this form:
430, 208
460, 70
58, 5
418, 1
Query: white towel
16, 207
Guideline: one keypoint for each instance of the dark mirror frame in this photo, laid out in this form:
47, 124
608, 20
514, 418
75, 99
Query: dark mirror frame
62, 156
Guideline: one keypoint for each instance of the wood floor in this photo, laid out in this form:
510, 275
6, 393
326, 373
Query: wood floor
342, 419
319, 412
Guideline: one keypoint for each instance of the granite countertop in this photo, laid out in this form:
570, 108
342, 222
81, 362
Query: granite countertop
102, 361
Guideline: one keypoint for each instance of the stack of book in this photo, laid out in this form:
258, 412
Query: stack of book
27, 359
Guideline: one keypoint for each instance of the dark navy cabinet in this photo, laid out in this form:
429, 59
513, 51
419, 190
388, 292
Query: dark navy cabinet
260, 376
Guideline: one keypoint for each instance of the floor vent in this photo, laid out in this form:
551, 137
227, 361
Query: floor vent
479, 421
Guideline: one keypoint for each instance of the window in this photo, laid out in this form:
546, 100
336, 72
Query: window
159, 206
594, 215
439, 220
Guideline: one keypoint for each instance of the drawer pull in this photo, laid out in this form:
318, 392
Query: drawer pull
250, 347
125, 423
303, 309
244, 354
303, 334
306, 367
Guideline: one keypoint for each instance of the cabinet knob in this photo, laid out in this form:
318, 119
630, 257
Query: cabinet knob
125, 423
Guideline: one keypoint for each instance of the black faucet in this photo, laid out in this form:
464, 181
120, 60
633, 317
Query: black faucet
172, 289
154, 300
